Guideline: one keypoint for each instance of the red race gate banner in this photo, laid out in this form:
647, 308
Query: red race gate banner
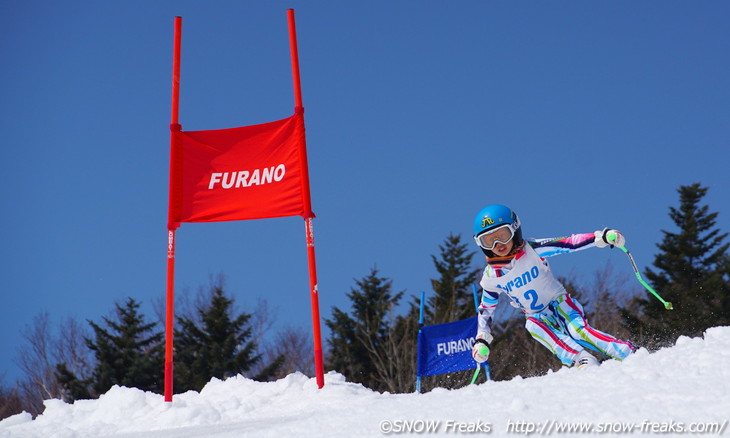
252, 172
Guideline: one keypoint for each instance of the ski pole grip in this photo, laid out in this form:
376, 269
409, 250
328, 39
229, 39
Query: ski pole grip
484, 349
611, 236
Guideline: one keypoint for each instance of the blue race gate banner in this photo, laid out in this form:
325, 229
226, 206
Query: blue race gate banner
446, 348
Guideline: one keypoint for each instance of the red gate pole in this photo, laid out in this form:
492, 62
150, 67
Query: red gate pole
308, 215
171, 225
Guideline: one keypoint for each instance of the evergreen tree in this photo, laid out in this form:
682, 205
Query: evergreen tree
73, 387
347, 355
363, 346
131, 356
128, 353
218, 345
692, 273
453, 298
272, 370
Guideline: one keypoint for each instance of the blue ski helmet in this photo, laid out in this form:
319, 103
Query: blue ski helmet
496, 215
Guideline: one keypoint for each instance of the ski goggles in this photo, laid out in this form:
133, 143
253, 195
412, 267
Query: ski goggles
502, 234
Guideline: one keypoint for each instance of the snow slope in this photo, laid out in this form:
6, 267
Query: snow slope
664, 393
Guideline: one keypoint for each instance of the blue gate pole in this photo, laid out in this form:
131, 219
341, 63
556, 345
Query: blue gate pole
418, 342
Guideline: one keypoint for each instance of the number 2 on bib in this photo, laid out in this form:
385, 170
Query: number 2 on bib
532, 295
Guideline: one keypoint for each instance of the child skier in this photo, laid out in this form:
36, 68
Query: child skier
517, 267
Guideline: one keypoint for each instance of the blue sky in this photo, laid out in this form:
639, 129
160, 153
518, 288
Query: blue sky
579, 115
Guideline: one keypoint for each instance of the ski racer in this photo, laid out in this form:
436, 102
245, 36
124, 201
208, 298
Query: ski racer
517, 267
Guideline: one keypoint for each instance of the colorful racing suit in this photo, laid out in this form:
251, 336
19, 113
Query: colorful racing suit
553, 318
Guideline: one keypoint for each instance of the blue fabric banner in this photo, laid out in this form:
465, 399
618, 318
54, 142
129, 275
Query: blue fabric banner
446, 348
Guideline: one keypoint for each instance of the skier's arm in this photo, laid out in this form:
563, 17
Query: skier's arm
484, 315
484, 324
575, 242
562, 245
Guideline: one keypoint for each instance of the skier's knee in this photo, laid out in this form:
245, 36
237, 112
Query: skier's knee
576, 330
531, 324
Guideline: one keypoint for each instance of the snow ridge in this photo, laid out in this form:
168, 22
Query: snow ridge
659, 393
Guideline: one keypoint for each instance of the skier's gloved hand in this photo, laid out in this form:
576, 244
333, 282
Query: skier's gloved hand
480, 350
602, 238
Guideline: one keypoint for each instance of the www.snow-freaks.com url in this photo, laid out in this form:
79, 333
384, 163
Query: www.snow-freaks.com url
551, 427
616, 427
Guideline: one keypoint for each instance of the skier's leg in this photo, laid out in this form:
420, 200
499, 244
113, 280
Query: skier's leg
543, 329
572, 317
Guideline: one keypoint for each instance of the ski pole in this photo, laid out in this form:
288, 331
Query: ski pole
483, 350
476, 374
667, 305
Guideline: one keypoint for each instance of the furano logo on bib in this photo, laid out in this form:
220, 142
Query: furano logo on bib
521, 280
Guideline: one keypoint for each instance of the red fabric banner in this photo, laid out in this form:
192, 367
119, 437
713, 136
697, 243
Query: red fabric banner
252, 172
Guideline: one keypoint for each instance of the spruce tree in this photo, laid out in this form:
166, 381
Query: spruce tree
453, 298
347, 355
73, 387
691, 272
129, 352
362, 343
217, 345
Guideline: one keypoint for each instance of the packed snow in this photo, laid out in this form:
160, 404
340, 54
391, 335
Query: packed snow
678, 391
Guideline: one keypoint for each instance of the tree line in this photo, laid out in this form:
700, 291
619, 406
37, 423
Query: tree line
374, 341
212, 339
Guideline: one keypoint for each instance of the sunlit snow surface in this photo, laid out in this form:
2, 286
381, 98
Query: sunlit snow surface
664, 393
